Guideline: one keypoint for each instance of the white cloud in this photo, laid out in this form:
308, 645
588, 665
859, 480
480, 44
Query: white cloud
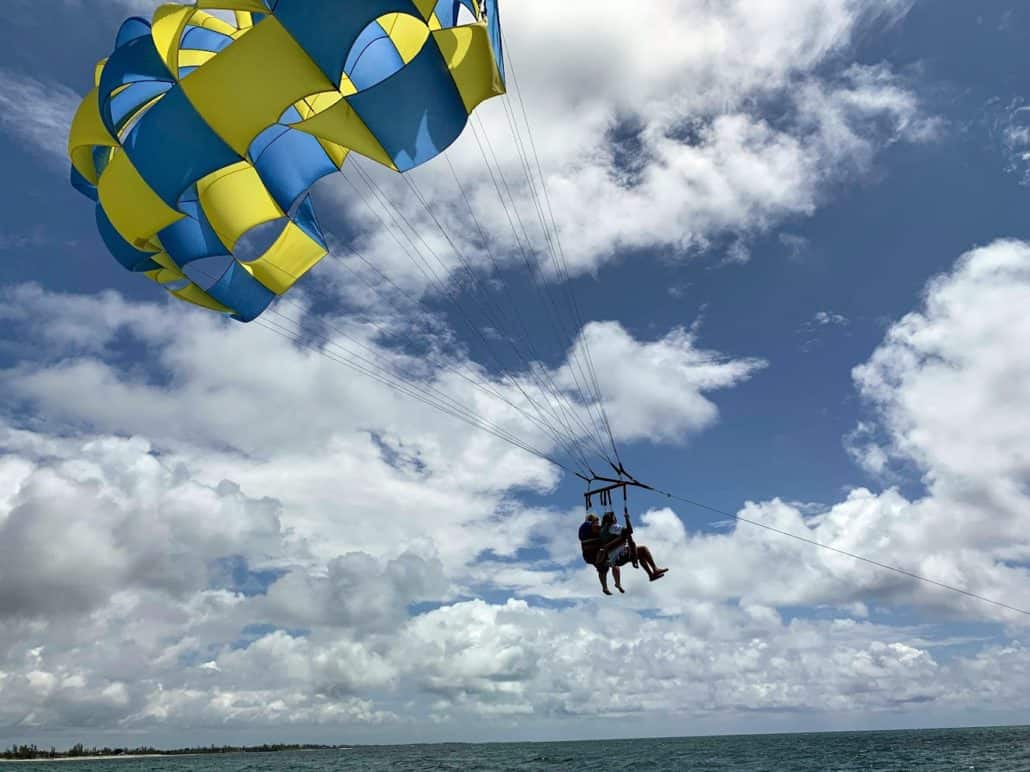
105, 515
948, 389
659, 148
1014, 129
37, 113
235, 531
674, 374
333, 446
699, 160
950, 383
815, 328
825, 318
328, 635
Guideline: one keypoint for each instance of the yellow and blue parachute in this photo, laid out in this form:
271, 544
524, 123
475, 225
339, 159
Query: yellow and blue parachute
216, 118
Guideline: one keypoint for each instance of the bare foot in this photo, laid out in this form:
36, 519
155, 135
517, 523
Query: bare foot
658, 574
619, 588
607, 591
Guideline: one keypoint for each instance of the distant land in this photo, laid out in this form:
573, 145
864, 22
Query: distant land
79, 751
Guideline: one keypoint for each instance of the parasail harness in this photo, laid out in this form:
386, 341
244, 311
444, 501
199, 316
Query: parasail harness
604, 495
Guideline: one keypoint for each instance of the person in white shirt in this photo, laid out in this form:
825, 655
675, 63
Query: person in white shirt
618, 549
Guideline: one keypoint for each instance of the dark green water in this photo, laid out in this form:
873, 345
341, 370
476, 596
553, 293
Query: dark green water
997, 748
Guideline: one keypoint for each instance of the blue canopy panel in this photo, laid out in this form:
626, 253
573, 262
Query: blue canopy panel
493, 26
207, 270
132, 28
124, 252
417, 112
101, 157
327, 30
201, 39
264, 139
84, 186
304, 218
128, 101
192, 237
137, 61
237, 289
414, 110
290, 164
374, 58
447, 11
168, 164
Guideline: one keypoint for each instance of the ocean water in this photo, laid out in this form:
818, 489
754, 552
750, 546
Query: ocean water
1003, 749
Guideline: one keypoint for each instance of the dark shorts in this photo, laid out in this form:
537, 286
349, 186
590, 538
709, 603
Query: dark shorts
590, 552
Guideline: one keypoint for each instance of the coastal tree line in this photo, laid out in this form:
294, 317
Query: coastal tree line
29, 752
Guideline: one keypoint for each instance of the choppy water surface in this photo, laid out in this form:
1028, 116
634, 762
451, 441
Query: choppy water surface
1002, 749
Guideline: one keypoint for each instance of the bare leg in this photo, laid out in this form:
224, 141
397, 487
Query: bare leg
618, 578
602, 574
653, 571
644, 554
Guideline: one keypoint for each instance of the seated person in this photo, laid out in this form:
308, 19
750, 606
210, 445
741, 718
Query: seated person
590, 543
617, 549
590, 538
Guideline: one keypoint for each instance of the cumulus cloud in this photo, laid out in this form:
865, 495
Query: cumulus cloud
203, 523
946, 396
672, 372
326, 626
471, 663
948, 382
661, 147
106, 514
287, 423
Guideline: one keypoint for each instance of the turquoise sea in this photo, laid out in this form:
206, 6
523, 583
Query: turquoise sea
994, 748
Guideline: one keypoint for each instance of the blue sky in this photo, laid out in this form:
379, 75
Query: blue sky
799, 232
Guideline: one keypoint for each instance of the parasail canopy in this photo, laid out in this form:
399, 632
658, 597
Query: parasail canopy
214, 120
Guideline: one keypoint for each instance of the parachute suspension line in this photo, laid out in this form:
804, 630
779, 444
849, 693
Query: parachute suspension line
569, 439
497, 267
403, 384
561, 403
415, 255
589, 400
439, 397
560, 411
523, 242
410, 391
545, 301
476, 382
604, 493
543, 291
594, 400
561, 270
373, 369
561, 254
846, 553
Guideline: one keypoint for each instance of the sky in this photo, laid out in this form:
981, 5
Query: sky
797, 235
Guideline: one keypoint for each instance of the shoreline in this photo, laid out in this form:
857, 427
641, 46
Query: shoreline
98, 758
113, 757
